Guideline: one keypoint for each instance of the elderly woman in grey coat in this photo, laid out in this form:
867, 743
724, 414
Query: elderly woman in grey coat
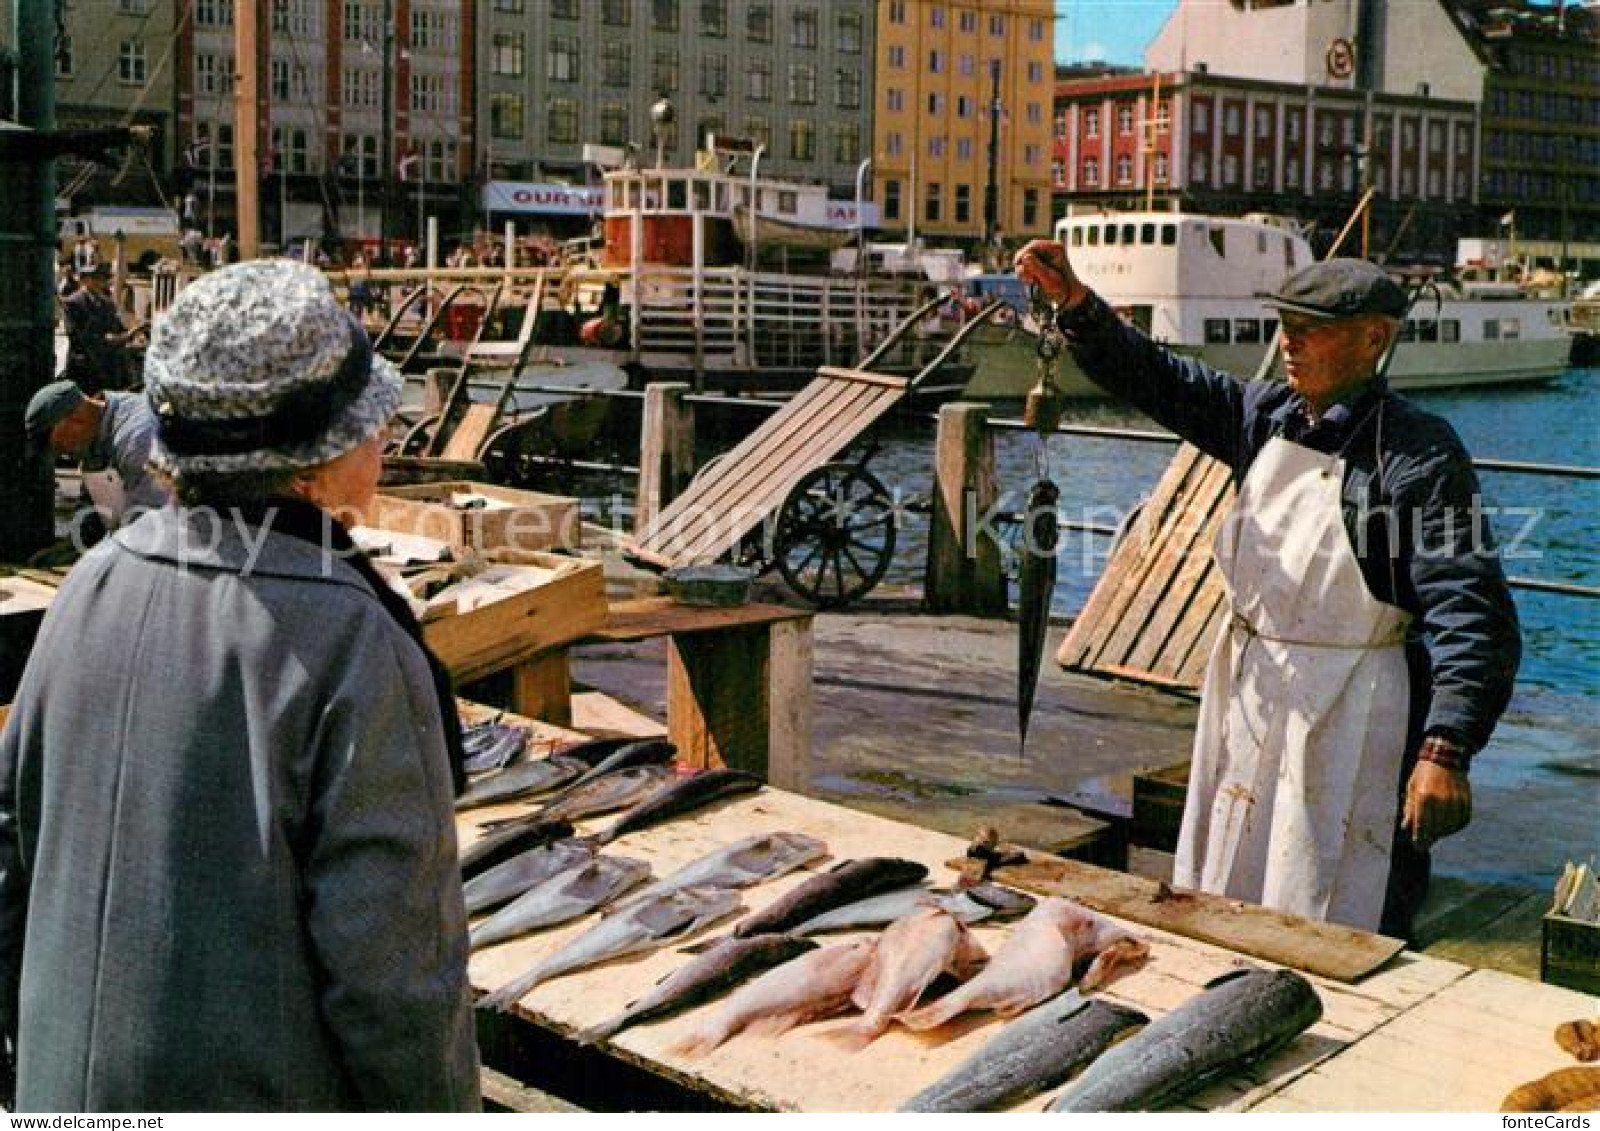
228, 871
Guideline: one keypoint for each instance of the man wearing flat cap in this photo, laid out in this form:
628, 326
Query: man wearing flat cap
1371, 643
110, 433
96, 336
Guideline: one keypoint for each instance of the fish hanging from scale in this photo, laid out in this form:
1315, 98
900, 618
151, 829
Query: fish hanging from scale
1036, 545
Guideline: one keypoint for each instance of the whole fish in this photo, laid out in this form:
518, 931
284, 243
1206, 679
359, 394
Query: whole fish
521, 779
593, 751
727, 964
1239, 1016
512, 840
616, 790
645, 924
910, 955
970, 905
683, 795
1030, 1055
847, 882
1036, 963
808, 988
562, 898
1036, 583
744, 863
510, 879
499, 746
649, 752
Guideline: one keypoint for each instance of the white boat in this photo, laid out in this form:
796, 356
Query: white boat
1190, 281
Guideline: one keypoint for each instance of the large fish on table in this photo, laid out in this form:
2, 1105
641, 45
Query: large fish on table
727, 964
643, 925
847, 882
910, 955
676, 798
562, 898
1037, 962
971, 905
489, 746
1030, 1055
521, 779
1036, 583
607, 793
646, 752
508, 841
1239, 1017
808, 988
507, 880
744, 863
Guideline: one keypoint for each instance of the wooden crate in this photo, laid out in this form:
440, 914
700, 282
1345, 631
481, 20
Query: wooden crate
529, 520
568, 605
1569, 954
1158, 797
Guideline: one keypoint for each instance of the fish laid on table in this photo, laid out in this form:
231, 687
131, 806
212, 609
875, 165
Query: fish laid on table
506, 881
910, 955
681, 796
808, 988
1030, 1055
645, 752
744, 863
529, 778
644, 924
511, 840
605, 794
847, 882
729, 963
592, 751
1036, 963
1036, 583
493, 748
1239, 1016
562, 898
970, 905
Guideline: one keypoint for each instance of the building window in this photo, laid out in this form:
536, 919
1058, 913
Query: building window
219, 13
963, 106
936, 146
615, 13
714, 75
897, 11
1031, 155
802, 140
1435, 183
441, 160
758, 130
1291, 174
847, 143
664, 15
897, 57
130, 62
1161, 169
564, 9
1198, 169
1035, 114
1036, 31
1091, 123
1202, 117
802, 84
936, 16
805, 28
616, 62
891, 200
1163, 117
63, 55
967, 65
1124, 171
613, 124
849, 33
1324, 175
935, 105
133, 7
1030, 208
213, 74
1291, 128
360, 156
758, 23
362, 24
963, 204
848, 87
512, 6
1036, 72
758, 76
896, 100
505, 116
968, 22
1124, 121
1230, 119
997, 25
563, 58
1091, 171
563, 121
360, 87
279, 80
506, 54
963, 149
665, 74
933, 204
1230, 169
895, 144
714, 17
1263, 122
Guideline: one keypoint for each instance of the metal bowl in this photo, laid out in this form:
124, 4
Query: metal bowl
710, 586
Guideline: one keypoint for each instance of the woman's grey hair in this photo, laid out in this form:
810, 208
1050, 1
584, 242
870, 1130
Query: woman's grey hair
230, 489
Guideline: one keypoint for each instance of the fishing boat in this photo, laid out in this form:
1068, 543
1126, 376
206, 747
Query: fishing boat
1191, 282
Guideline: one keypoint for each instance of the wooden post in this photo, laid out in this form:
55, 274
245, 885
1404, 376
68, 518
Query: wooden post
963, 572
666, 449
435, 388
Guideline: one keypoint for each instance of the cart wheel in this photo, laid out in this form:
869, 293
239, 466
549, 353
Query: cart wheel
416, 438
835, 535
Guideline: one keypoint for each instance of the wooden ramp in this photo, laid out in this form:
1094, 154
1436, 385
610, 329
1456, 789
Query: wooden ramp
1156, 609
735, 495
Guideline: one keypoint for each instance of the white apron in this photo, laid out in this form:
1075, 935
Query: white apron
106, 492
1293, 788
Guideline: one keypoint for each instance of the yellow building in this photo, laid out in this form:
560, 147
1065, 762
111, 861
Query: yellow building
931, 131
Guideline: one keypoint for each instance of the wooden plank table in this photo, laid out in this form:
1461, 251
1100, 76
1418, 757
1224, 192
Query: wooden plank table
802, 1070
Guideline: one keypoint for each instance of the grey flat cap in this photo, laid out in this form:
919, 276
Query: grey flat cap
50, 406
1339, 288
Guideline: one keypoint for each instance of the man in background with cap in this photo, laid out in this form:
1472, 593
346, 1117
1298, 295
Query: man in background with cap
1372, 641
96, 336
111, 432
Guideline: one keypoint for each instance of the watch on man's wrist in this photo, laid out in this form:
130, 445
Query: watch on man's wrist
1445, 752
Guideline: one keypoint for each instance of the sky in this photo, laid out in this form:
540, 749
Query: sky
1112, 31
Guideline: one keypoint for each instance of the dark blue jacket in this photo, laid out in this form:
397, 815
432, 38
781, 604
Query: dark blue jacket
1412, 507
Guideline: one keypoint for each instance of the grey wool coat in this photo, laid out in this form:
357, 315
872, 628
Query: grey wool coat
228, 870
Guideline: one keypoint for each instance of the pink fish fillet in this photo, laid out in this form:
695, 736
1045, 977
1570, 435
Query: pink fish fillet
813, 986
912, 952
1036, 963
